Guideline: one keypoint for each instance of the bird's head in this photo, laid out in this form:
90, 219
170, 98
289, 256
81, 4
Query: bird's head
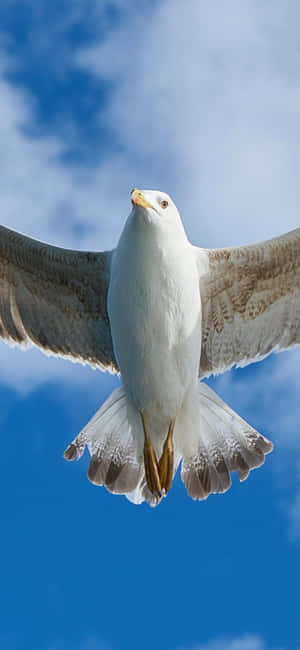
155, 207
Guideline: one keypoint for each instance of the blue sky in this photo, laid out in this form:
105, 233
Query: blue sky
201, 101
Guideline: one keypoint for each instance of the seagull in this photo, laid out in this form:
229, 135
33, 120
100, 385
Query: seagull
164, 314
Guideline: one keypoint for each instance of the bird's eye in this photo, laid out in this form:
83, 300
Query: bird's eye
164, 204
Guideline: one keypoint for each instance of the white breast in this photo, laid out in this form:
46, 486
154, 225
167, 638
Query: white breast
154, 311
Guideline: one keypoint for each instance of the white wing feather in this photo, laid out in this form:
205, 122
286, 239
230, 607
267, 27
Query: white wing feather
250, 301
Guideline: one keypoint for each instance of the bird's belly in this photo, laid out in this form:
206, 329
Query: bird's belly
156, 331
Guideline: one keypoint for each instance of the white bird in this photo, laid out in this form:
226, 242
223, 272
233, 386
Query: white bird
165, 314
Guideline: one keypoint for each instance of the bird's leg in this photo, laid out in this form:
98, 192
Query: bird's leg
166, 463
150, 462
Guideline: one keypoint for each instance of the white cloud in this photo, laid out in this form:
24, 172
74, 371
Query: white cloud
248, 642
43, 198
245, 643
209, 112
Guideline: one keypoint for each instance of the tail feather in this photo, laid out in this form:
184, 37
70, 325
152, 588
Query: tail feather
209, 437
221, 442
112, 442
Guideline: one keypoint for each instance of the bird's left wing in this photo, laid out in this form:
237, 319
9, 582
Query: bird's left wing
55, 299
250, 301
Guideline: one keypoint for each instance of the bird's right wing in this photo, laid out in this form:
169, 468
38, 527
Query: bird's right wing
56, 299
250, 301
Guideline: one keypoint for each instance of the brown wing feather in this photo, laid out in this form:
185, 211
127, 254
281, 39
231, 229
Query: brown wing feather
250, 301
56, 299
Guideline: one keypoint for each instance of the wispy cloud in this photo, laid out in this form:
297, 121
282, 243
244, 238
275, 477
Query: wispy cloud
294, 509
247, 642
90, 643
211, 113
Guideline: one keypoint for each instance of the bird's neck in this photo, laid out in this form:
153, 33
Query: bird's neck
154, 235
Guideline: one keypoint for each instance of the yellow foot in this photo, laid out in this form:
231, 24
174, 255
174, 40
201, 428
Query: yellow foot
166, 463
150, 462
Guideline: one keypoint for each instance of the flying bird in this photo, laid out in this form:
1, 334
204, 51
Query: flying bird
164, 314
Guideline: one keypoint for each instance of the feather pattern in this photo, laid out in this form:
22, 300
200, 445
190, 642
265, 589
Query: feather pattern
219, 443
112, 437
250, 300
55, 299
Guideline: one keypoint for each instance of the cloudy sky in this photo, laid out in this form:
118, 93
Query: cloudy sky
201, 100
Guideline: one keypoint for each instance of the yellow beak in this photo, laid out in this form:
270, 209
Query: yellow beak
137, 198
